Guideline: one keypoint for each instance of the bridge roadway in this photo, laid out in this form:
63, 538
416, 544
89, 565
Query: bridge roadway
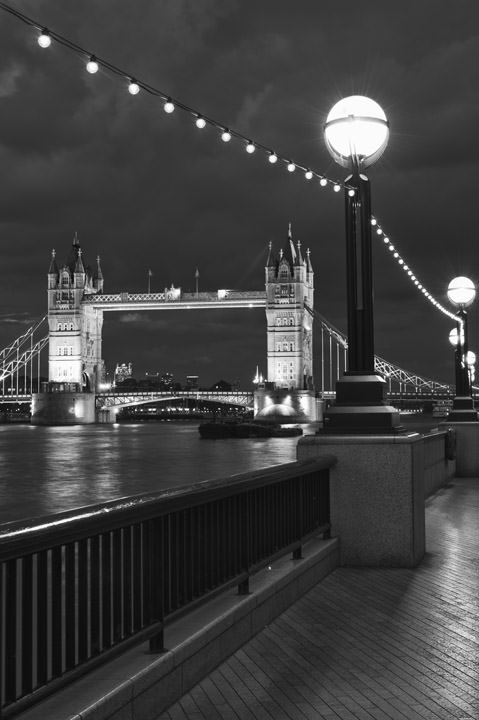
241, 398
174, 299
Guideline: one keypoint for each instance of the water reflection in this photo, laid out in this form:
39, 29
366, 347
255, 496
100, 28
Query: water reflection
49, 469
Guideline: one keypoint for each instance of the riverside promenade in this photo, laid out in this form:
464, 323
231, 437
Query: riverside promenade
367, 643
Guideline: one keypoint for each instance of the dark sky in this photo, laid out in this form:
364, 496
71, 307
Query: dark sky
145, 189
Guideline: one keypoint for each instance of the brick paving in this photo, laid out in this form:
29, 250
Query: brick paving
366, 643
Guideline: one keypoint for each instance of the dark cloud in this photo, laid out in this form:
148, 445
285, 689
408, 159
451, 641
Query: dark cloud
148, 190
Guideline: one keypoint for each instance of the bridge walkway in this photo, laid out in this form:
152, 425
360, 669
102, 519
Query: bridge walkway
385, 644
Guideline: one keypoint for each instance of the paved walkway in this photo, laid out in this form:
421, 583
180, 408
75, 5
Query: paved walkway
387, 644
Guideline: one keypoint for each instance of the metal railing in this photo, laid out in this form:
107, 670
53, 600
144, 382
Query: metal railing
78, 587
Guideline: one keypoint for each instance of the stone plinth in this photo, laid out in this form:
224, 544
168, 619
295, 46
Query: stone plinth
377, 496
467, 447
63, 408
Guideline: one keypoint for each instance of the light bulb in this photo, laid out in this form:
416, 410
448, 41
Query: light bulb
226, 136
44, 40
337, 188
396, 255
308, 175
133, 88
291, 167
168, 107
374, 221
200, 122
250, 147
351, 193
323, 182
379, 231
273, 158
92, 66
391, 247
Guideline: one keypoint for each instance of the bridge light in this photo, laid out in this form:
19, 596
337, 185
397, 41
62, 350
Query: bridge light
308, 175
461, 291
391, 248
379, 231
44, 39
250, 147
273, 158
92, 65
169, 107
351, 193
323, 182
374, 221
291, 167
336, 187
200, 122
226, 135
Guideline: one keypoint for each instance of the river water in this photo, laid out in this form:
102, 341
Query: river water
45, 470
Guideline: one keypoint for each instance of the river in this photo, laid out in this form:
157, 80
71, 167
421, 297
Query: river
45, 470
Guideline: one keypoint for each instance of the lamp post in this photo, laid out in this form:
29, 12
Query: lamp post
356, 133
461, 293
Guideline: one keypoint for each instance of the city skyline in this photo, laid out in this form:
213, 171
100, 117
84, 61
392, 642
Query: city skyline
149, 192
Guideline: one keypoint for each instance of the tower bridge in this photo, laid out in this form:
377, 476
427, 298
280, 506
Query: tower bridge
77, 303
76, 307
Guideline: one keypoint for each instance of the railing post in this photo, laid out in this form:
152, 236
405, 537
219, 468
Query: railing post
298, 552
245, 529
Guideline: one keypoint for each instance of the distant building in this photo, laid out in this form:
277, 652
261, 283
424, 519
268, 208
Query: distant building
122, 372
192, 382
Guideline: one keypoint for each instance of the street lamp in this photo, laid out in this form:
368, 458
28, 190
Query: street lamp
461, 292
356, 133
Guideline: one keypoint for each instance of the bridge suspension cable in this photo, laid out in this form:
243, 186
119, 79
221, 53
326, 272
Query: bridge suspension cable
334, 362
18, 357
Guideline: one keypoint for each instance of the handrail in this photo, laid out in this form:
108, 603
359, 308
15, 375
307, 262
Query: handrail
121, 570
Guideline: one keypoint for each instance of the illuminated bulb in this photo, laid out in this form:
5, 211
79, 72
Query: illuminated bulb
401, 261
308, 175
273, 158
250, 148
337, 188
200, 122
374, 221
92, 66
413, 277
409, 272
391, 248
416, 282
44, 40
406, 267
226, 136
386, 240
379, 231
419, 287
323, 182
351, 193
291, 167
396, 255
168, 107
133, 88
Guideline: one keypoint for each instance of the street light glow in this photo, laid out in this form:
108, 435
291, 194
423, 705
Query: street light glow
356, 131
461, 291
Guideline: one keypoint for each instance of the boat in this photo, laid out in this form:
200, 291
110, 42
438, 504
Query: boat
214, 430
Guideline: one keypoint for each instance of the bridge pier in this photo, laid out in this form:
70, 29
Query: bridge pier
106, 415
65, 406
281, 405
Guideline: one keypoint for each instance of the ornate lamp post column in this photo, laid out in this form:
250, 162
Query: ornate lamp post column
356, 134
461, 293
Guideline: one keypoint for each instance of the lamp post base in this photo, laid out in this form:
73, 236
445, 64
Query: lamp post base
361, 407
463, 410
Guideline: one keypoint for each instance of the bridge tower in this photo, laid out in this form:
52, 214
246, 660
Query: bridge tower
75, 366
289, 390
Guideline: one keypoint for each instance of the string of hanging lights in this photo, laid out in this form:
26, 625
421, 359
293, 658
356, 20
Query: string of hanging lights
94, 62
405, 267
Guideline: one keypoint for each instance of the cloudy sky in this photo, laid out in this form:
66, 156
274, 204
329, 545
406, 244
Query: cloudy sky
145, 189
